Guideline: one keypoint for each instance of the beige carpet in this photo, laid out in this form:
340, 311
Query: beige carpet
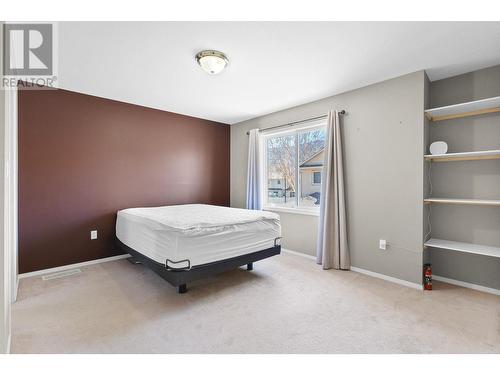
286, 305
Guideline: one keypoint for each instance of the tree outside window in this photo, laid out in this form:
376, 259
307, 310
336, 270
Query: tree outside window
294, 161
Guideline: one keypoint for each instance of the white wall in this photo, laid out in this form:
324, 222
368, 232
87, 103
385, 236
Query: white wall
10, 189
5, 276
383, 144
8, 207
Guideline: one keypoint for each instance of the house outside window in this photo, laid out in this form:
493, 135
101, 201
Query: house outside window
293, 167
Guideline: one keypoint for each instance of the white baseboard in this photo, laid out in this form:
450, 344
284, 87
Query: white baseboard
388, 278
466, 285
408, 283
8, 343
71, 266
299, 254
363, 271
16, 290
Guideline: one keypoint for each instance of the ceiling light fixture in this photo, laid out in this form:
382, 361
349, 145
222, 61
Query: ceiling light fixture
212, 62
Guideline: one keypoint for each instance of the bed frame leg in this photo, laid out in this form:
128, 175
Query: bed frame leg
249, 266
133, 260
182, 289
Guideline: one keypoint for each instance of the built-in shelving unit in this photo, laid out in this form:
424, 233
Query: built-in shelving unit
459, 156
474, 202
477, 107
464, 247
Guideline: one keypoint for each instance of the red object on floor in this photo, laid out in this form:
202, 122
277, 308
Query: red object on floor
428, 276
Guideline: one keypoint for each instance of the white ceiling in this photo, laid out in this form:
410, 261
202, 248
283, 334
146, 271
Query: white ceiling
273, 65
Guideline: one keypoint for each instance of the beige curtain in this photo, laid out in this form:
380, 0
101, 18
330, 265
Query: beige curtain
333, 250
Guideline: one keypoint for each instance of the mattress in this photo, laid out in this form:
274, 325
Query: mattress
198, 232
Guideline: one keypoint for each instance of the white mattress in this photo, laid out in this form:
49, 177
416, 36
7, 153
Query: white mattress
198, 232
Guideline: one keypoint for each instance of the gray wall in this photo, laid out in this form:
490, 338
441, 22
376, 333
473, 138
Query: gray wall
384, 139
474, 179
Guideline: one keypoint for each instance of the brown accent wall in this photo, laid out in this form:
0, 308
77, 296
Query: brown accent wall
82, 158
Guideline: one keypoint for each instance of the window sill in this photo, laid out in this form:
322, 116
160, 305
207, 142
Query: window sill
297, 211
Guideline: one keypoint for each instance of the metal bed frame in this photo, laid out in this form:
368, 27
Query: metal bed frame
180, 276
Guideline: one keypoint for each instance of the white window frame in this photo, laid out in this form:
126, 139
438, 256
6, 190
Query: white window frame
296, 129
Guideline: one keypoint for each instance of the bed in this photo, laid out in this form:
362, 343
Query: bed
183, 243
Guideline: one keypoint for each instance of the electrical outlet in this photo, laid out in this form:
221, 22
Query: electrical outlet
93, 234
382, 244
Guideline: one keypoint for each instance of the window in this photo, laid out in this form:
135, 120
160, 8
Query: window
317, 178
293, 166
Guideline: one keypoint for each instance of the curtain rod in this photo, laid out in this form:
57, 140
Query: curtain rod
342, 112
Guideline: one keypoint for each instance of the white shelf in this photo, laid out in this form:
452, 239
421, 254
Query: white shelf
464, 247
458, 156
477, 202
477, 107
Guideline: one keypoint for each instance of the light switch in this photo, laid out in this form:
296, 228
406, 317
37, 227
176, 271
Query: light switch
382, 244
93, 234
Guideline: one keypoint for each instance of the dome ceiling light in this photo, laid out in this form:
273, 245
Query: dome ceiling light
212, 62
